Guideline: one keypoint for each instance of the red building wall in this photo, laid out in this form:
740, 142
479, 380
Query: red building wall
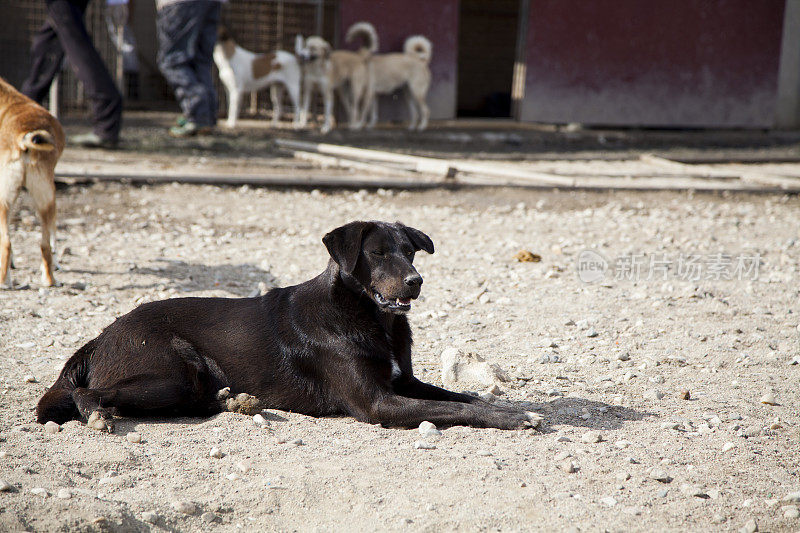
395, 20
653, 62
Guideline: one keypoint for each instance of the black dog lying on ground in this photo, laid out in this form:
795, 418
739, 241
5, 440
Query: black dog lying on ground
337, 344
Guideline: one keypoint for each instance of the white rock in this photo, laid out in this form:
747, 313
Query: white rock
790, 511
792, 497
185, 507
5, 486
609, 501
592, 437
428, 429
591, 333
623, 476
39, 491
133, 437
208, 517
469, 371
653, 394
769, 399
151, 517
624, 356
659, 475
64, 494
422, 445
728, 446
216, 453
693, 491
30, 378
554, 393
750, 527
51, 427
297, 442
569, 466
233, 476
622, 444
260, 421
243, 466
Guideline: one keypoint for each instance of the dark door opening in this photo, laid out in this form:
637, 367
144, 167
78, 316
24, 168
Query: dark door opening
487, 40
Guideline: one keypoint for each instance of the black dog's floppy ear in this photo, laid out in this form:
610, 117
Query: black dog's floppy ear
344, 244
418, 239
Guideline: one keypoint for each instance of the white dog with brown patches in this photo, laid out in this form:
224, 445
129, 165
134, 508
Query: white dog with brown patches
242, 71
31, 141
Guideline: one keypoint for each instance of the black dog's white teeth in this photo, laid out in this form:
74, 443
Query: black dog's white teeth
404, 301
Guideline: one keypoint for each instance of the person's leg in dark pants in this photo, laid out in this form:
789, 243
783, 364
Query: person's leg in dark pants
63, 32
183, 41
205, 58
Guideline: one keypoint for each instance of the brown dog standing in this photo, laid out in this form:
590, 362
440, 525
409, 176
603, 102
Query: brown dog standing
31, 141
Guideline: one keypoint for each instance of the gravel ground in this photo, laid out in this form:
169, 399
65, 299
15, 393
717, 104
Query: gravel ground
608, 364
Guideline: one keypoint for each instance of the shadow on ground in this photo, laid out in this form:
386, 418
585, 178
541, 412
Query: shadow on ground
238, 280
569, 412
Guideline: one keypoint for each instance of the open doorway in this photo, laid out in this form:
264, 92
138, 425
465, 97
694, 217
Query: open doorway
487, 41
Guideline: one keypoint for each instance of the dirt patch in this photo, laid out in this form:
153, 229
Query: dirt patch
607, 364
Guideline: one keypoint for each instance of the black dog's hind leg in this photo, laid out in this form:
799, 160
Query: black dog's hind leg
189, 391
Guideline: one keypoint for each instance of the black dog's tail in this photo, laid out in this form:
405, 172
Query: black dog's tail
57, 403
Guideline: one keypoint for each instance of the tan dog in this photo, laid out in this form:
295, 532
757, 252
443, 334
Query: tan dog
31, 141
330, 71
390, 72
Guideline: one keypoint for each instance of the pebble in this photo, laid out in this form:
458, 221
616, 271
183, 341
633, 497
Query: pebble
609, 501
233, 476
64, 494
555, 392
243, 466
422, 445
484, 453
659, 475
297, 442
3, 454
685, 395
208, 517
52, 427
728, 446
795, 360
39, 491
623, 476
670, 425
624, 356
216, 453
260, 421
653, 394
563, 439
185, 507
133, 437
5, 486
569, 466
591, 333
717, 519
750, 527
662, 493
30, 378
790, 511
151, 517
769, 399
622, 444
592, 437
693, 491
792, 497
428, 429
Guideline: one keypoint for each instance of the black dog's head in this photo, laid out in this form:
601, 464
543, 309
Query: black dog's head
378, 256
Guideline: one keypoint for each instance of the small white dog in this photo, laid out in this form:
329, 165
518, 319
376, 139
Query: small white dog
394, 71
242, 71
333, 71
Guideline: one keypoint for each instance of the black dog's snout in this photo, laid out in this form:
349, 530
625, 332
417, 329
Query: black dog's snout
413, 280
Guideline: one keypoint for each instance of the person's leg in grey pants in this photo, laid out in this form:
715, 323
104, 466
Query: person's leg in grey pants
187, 33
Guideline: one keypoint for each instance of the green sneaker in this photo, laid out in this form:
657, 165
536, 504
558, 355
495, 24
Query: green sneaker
92, 140
188, 129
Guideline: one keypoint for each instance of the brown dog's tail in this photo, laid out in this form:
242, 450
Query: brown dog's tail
367, 32
57, 403
41, 140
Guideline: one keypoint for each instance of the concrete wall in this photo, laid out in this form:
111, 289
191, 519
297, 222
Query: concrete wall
654, 63
396, 20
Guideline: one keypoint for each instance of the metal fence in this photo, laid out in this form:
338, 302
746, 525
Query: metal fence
258, 25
